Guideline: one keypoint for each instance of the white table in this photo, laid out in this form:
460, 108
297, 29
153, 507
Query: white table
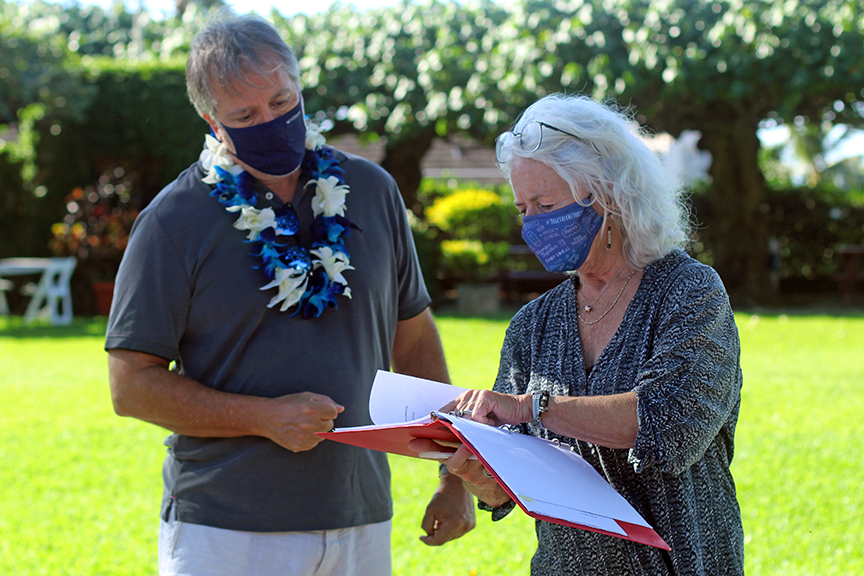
52, 296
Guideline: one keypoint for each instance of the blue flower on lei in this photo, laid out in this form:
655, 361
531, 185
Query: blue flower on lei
234, 191
310, 280
321, 295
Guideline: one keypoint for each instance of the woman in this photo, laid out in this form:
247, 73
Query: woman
634, 360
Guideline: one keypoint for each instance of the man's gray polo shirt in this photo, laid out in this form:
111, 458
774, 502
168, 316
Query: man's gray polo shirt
186, 291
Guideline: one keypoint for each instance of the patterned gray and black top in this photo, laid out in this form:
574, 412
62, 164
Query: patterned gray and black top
678, 348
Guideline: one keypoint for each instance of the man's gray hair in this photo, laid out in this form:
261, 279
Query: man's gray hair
230, 49
609, 160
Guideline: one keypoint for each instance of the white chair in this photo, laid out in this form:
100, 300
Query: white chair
4, 306
53, 293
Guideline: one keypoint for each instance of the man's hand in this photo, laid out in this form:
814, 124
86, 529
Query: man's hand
292, 421
450, 513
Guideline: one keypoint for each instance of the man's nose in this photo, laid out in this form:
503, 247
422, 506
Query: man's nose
267, 115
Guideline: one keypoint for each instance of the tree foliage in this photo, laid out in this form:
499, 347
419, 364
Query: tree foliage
421, 70
720, 67
32, 65
402, 73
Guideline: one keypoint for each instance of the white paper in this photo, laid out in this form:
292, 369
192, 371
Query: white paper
553, 510
550, 479
397, 398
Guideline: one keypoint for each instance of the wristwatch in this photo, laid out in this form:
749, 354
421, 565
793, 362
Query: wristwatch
539, 405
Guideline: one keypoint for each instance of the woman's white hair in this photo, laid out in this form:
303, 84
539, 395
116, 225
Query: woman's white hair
609, 160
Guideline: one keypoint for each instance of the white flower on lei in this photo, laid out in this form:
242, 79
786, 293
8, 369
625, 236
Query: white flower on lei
314, 138
291, 284
329, 197
334, 263
254, 220
216, 154
329, 201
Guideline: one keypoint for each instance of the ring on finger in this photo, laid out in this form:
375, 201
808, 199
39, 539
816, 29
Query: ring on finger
487, 473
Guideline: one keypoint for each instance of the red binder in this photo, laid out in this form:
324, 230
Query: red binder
550, 491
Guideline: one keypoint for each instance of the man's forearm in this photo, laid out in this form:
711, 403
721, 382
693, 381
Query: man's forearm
143, 387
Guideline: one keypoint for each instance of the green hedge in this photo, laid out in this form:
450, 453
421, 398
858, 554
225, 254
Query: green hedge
137, 118
807, 224
14, 207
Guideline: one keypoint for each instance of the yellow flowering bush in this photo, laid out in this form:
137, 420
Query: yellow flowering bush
477, 224
473, 214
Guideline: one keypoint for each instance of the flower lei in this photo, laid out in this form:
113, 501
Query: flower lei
310, 279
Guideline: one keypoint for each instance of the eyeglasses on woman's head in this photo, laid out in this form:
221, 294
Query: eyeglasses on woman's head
530, 139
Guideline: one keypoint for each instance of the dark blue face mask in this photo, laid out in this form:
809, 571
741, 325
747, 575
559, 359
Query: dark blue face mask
275, 148
562, 238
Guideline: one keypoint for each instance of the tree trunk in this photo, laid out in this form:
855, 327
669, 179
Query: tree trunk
403, 158
738, 229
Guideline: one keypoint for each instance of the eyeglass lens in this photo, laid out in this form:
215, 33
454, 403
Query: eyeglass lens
500, 144
530, 139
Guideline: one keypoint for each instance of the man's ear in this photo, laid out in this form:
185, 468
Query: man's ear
214, 125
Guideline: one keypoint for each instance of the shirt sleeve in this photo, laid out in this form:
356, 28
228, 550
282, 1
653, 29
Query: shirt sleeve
152, 292
690, 386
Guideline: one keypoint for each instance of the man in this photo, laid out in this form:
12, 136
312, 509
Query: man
239, 272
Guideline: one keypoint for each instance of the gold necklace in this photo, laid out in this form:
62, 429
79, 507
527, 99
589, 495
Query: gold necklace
614, 302
590, 307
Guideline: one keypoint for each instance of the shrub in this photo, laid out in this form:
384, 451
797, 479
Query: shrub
472, 260
806, 225
476, 225
473, 214
97, 225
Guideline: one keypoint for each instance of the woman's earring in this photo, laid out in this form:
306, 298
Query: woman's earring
609, 238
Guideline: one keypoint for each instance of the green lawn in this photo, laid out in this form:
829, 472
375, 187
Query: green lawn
79, 487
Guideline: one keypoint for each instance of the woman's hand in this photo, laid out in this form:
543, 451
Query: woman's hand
475, 478
471, 471
492, 407
489, 408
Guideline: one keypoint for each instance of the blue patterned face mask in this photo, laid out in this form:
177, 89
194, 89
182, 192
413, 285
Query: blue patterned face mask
562, 239
275, 148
